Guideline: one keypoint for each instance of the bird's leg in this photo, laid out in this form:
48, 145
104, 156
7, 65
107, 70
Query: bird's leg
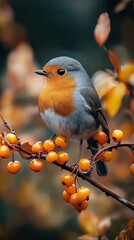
80, 149
53, 136
100, 165
79, 156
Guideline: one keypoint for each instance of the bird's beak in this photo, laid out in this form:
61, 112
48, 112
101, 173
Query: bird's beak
42, 72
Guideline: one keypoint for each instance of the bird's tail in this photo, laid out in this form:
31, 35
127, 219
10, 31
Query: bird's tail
101, 167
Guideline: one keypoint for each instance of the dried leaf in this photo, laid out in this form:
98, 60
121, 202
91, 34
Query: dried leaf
27, 147
121, 6
130, 228
127, 234
114, 60
102, 29
113, 100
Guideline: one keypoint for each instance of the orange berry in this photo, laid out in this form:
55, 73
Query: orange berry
67, 179
74, 199
61, 142
83, 193
49, 145
5, 151
37, 147
84, 164
66, 196
132, 169
81, 206
14, 167
51, 157
100, 137
36, 165
107, 156
1, 138
11, 138
62, 158
117, 135
70, 190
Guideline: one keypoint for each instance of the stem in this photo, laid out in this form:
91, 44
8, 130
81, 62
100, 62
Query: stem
89, 179
115, 146
102, 187
7, 125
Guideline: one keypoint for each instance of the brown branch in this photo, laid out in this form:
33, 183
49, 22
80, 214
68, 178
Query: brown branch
84, 176
115, 146
100, 186
91, 180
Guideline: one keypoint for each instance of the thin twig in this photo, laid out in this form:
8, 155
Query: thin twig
89, 179
7, 125
109, 148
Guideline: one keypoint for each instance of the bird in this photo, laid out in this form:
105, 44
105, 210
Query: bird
69, 105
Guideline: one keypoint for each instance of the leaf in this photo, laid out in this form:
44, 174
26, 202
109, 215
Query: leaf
126, 72
27, 147
89, 223
127, 234
103, 82
113, 100
102, 29
121, 6
114, 60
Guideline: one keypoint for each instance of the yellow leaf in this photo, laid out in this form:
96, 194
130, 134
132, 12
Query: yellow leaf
103, 82
113, 100
125, 72
89, 223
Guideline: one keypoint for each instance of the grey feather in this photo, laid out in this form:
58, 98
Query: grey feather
95, 108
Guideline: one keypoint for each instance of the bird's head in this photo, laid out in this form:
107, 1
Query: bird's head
65, 71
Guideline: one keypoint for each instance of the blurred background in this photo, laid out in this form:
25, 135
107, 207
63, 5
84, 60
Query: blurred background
31, 33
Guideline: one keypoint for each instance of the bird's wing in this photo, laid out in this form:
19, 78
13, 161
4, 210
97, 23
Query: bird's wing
95, 108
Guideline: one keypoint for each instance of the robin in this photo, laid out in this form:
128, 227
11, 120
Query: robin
69, 104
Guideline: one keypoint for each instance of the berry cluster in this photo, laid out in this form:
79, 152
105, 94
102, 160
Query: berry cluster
78, 198
52, 150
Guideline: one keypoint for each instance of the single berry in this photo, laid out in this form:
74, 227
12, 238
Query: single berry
83, 193
62, 158
11, 138
100, 137
74, 199
70, 190
36, 165
66, 196
5, 151
51, 157
81, 206
14, 167
1, 139
37, 147
49, 145
132, 169
117, 135
84, 164
107, 156
61, 142
67, 179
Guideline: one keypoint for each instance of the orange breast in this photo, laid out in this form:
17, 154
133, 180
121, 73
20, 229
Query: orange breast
58, 95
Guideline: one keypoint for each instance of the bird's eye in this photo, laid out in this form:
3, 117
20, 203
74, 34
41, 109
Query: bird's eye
61, 71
